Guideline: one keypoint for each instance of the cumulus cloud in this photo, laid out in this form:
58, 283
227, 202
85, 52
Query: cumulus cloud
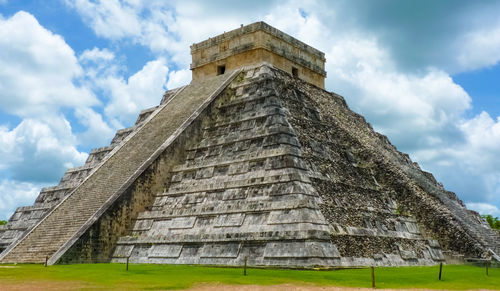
480, 48
484, 208
423, 111
178, 78
39, 80
391, 66
13, 194
96, 55
141, 22
426, 104
124, 98
112, 19
38, 70
425, 33
167, 29
142, 90
482, 141
97, 131
38, 151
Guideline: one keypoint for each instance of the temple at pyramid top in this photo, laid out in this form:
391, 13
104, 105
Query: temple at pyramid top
253, 44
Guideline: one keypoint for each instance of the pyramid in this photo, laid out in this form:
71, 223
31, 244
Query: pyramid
253, 160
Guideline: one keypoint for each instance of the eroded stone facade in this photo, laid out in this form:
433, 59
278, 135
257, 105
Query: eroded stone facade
254, 44
250, 162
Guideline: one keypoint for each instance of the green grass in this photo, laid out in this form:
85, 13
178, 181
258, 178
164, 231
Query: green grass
154, 277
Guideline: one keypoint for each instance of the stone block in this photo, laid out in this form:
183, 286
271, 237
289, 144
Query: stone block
412, 227
308, 249
436, 253
183, 222
165, 251
302, 215
123, 251
220, 250
229, 220
235, 194
205, 173
143, 224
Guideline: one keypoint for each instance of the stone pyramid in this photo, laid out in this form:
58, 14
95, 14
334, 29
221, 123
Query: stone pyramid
252, 159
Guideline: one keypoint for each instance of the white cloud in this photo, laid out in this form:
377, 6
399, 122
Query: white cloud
483, 133
14, 194
127, 98
38, 82
112, 19
38, 69
484, 208
423, 112
96, 54
424, 104
143, 23
38, 150
166, 30
178, 78
97, 132
421, 109
123, 98
479, 48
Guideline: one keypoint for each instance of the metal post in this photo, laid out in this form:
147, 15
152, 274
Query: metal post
127, 262
487, 263
47, 259
440, 270
373, 277
245, 267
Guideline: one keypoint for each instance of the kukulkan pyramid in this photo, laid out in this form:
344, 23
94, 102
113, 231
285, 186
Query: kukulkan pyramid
252, 159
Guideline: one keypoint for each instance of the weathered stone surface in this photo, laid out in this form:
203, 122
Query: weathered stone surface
255, 164
56, 233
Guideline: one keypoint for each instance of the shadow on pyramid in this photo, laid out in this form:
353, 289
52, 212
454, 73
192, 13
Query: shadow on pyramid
253, 160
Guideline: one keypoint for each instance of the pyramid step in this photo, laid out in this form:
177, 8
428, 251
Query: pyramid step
144, 114
264, 99
246, 179
246, 117
271, 135
220, 161
241, 206
224, 236
78, 211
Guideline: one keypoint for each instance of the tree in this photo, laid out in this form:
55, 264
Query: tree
3, 222
494, 222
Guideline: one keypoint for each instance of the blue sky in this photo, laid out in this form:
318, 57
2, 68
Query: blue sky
424, 73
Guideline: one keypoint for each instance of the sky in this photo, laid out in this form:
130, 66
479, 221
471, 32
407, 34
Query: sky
425, 73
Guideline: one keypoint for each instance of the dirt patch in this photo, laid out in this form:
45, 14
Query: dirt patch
281, 287
9, 267
41, 285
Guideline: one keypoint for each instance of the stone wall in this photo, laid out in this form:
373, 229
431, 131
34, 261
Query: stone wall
368, 185
266, 167
253, 44
272, 181
26, 217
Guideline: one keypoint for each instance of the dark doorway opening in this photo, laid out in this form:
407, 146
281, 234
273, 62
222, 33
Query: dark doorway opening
221, 69
295, 72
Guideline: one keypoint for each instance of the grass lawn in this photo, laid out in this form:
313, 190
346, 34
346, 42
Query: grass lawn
154, 277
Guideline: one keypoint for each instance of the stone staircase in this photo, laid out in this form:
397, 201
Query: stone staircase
249, 188
242, 191
25, 217
364, 180
70, 219
263, 166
